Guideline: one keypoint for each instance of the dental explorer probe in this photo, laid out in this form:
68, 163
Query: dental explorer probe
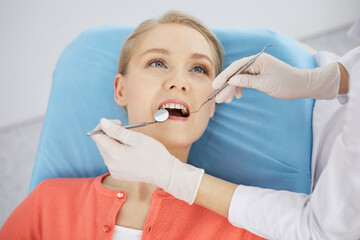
241, 70
160, 115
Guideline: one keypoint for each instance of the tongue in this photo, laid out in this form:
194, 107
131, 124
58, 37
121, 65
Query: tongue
175, 112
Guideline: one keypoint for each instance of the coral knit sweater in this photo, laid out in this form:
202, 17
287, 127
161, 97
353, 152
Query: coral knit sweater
81, 208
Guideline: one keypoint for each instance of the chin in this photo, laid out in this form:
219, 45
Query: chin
174, 140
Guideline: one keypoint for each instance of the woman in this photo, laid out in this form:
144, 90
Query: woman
332, 209
167, 63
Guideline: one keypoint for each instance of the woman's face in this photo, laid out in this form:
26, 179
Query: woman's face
172, 67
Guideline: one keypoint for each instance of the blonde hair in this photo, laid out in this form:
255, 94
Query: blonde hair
170, 17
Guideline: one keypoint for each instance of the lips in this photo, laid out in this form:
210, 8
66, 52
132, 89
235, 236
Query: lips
178, 109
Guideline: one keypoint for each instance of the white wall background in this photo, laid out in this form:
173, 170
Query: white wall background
33, 34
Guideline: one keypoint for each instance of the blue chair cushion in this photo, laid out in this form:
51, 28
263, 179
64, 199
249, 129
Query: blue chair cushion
257, 140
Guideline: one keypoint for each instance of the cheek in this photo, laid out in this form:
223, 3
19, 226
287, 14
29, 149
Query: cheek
139, 98
202, 91
204, 117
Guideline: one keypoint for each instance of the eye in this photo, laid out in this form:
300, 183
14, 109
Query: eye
157, 63
200, 69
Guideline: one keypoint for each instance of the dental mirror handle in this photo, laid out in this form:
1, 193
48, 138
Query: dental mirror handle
138, 125
161, 115
127, 127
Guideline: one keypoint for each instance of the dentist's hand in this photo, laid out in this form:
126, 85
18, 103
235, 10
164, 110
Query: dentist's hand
278, 79
133, 156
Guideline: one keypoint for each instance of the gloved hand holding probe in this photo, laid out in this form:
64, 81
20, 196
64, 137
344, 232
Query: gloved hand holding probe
140, 158
278, 79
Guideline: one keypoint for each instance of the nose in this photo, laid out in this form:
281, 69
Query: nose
177, 82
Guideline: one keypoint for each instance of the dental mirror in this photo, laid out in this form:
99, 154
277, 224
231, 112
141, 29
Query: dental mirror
160, 116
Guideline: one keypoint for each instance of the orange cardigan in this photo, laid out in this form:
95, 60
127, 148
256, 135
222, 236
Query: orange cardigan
81, 208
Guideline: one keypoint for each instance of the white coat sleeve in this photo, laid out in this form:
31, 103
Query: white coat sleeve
332, 210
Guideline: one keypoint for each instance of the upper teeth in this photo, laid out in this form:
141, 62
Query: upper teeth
175, 106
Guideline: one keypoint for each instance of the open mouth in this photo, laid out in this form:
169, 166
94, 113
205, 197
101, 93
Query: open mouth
176, 110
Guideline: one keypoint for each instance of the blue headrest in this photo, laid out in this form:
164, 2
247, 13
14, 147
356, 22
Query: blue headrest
257, 140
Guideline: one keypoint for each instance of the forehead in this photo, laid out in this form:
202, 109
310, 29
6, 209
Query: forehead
175, 38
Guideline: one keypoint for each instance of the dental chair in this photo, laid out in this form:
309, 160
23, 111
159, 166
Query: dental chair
257, 140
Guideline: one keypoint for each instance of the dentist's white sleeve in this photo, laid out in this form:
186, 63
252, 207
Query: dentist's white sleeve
332, 210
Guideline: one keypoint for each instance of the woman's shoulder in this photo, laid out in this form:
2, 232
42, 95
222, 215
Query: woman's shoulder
66, 181
60, 186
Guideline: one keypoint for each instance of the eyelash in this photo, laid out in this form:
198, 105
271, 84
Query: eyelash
203, 68
205, 71
156, 60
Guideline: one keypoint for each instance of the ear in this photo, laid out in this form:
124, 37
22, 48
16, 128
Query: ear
120, 93
212, 109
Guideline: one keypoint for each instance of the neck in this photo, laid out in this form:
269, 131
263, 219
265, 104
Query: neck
180, 153
134, 190
139, 190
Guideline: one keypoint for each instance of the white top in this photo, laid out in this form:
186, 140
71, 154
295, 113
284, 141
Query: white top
122, 233
332, 210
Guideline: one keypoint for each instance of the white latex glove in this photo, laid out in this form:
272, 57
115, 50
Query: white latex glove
278, 79
141, 158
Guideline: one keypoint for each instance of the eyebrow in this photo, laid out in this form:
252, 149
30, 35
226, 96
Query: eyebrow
166, 52
203, 56
156, 50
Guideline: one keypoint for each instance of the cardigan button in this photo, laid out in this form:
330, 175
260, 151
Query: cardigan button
120, 195
106, 228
